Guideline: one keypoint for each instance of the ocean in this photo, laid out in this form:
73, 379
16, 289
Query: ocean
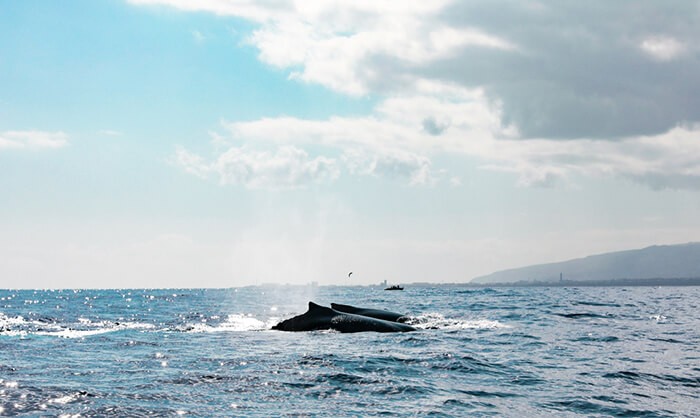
536, 351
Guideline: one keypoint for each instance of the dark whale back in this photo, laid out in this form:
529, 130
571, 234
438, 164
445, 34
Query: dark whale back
372, 313
316, 318
320, 317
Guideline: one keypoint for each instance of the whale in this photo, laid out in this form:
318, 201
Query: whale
323, 318
372, 313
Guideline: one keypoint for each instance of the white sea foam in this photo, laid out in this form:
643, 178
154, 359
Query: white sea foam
14, 333
96, 328
434, 320
234, 323
245, 323
73, 333
11, 320
63, 399
15, 326
18, 326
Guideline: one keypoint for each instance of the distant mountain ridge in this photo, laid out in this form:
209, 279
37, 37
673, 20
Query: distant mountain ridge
655, 262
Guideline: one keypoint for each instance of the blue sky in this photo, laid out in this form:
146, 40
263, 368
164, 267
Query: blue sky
176, 143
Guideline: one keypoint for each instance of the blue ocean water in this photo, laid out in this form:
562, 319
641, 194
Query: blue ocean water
605, 351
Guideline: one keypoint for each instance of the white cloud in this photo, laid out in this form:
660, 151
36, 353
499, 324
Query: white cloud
287, 168
336, 43
397, 123
670, 160
191, 163
342, 48
662, 48
32, 140
558, 69
475, 78
396, 164
393, 142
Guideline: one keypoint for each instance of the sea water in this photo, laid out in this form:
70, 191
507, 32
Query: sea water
536, 351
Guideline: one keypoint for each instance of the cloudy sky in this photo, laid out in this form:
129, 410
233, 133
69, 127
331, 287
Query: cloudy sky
219, 143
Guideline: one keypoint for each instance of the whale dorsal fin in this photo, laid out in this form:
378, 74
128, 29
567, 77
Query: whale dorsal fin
315, 307
320, 310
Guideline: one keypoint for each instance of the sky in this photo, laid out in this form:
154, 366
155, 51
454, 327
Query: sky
224, 143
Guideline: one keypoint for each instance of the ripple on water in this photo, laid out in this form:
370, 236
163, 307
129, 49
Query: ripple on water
525, 352
26, 399
582, 315
587, 407
637, 377
598, 339
592, 303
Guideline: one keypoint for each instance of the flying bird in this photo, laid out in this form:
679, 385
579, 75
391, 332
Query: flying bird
349, 274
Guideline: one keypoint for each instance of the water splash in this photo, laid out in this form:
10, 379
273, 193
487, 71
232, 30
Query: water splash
434, 320
234, 323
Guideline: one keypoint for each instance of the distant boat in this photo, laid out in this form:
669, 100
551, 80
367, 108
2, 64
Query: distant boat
394, 287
